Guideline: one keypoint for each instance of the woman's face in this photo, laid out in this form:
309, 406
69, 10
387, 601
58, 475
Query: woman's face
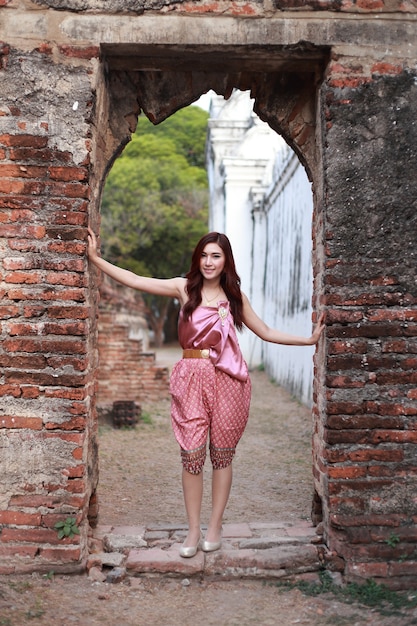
212, 261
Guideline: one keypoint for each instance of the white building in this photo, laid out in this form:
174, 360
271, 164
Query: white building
261, 199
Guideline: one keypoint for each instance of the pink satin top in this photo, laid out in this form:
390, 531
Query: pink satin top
213, 328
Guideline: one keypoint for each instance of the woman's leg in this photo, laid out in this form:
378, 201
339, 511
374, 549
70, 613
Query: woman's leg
221, 485
192, 485
230, 415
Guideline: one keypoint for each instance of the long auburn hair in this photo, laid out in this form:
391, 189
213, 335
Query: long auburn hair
229, 280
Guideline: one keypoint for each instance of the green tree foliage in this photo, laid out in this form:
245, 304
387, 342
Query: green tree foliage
155, 202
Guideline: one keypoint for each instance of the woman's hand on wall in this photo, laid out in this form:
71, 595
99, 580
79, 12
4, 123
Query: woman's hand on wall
320, 326
92, 246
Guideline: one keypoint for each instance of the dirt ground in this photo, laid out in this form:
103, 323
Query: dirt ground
140, 485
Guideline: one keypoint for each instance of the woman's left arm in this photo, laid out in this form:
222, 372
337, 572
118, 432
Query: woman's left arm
258, 326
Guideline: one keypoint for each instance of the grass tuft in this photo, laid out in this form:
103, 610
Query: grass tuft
371, 594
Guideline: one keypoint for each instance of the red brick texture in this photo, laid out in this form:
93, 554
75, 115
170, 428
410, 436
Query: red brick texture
126, 371
48, 312
365, 439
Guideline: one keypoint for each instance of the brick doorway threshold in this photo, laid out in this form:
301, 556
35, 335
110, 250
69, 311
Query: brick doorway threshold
280, 550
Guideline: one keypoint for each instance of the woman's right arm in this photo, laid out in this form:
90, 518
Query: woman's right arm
171, 287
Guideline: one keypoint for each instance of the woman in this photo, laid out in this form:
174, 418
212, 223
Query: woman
210, 385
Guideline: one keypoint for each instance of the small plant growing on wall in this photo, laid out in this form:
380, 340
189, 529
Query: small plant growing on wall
67, 528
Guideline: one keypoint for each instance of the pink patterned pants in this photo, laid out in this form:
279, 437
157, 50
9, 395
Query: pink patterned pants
206, 402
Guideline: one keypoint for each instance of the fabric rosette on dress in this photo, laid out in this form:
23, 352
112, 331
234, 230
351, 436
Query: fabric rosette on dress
213, 328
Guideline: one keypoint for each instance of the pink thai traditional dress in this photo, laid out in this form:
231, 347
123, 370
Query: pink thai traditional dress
210, 396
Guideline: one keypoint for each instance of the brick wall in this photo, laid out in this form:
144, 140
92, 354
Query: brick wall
366, 431
46, 426
127, 369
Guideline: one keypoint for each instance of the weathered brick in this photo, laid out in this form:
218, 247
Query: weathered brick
392, 436
346, 346
35, 501
19, 518
22, 361
365, 329
7, 311
343, 316
351, 362
47, 294
45, 344
30, 391
345, 382
66, 393
87, 52
18, 263
13, 550
346, 472
20, 230
72, 423
76, 471
44, 378
41, 154
60, 555
345, 408
351, 506
369, 422
30, 141
66, 328
32, 423
70, 218
67, 173
65, 278
18, 328
77, 453
31, 535
22, 278
396, 378
77, 438
10, 170
13, 186
68, 312
58, 361
10, 390
67, 247
384, 67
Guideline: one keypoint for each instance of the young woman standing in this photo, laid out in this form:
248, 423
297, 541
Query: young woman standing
210, 385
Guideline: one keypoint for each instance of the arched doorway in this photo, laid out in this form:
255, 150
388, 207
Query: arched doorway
285, 86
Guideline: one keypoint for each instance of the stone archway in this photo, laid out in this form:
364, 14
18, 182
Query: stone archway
148, 79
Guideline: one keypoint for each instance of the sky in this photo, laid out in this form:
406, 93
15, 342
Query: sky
204, 101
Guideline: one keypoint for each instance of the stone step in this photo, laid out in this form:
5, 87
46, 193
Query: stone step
265, 550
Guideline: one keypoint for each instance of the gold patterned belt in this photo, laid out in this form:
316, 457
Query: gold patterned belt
196, 354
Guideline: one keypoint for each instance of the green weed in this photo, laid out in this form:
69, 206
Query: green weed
379, 597
146, 418
67, 528
393, 540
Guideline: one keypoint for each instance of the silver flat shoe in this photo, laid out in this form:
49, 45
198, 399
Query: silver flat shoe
210, 546
188, 551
